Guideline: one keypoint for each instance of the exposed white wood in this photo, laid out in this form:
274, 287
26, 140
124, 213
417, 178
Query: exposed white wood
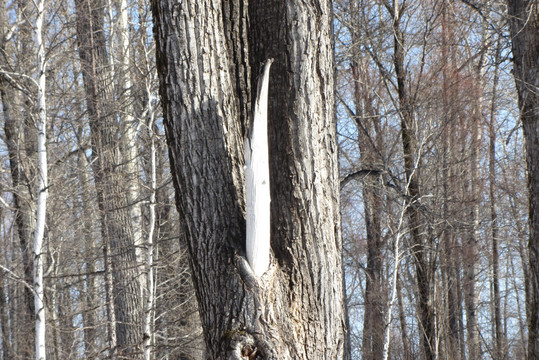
149, 286
41, 212
257, 182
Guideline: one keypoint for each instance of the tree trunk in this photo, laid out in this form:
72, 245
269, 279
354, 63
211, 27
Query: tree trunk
128, 135
524, 29
469, 247
498, 334
117, 234
366, 119
149, 295
423, 272
375, 297
42, 191
6, 326
19, 139
294, 310
91, 285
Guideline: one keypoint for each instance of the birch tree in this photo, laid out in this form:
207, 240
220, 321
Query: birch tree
41, 213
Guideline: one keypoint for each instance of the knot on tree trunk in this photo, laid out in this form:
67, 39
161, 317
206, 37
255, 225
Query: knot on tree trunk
243, 346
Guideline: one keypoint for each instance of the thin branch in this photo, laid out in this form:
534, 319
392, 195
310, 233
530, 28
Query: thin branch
360, 174
17, 278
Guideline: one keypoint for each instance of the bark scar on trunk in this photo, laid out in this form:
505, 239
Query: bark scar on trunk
257, 181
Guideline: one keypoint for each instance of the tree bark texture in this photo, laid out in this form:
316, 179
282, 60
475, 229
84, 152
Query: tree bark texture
20, 139
110, 180
524, 29
205, 54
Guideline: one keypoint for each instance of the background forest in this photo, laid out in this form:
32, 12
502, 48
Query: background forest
433, 183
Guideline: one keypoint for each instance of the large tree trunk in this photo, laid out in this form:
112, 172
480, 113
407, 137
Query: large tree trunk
524, 26
295, 310
110, 180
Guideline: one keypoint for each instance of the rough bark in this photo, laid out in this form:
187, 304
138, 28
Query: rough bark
295, 310
110, 180
524, 29
128, 134
19, 139
20, 142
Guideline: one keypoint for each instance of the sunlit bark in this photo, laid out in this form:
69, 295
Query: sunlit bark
295, 310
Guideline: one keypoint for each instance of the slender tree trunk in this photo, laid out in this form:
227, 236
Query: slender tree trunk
407, 355
149, 306
128, 135
418, 238
91, 286
470, 246
524, 29
469, 256
6, 329
295, 310
499, 333
41, 212
366, 120
54, 337
123, 289
448, 239
19, 143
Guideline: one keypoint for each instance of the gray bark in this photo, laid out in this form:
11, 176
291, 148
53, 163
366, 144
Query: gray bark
295, 310
524, 29
20, 138
123, 289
